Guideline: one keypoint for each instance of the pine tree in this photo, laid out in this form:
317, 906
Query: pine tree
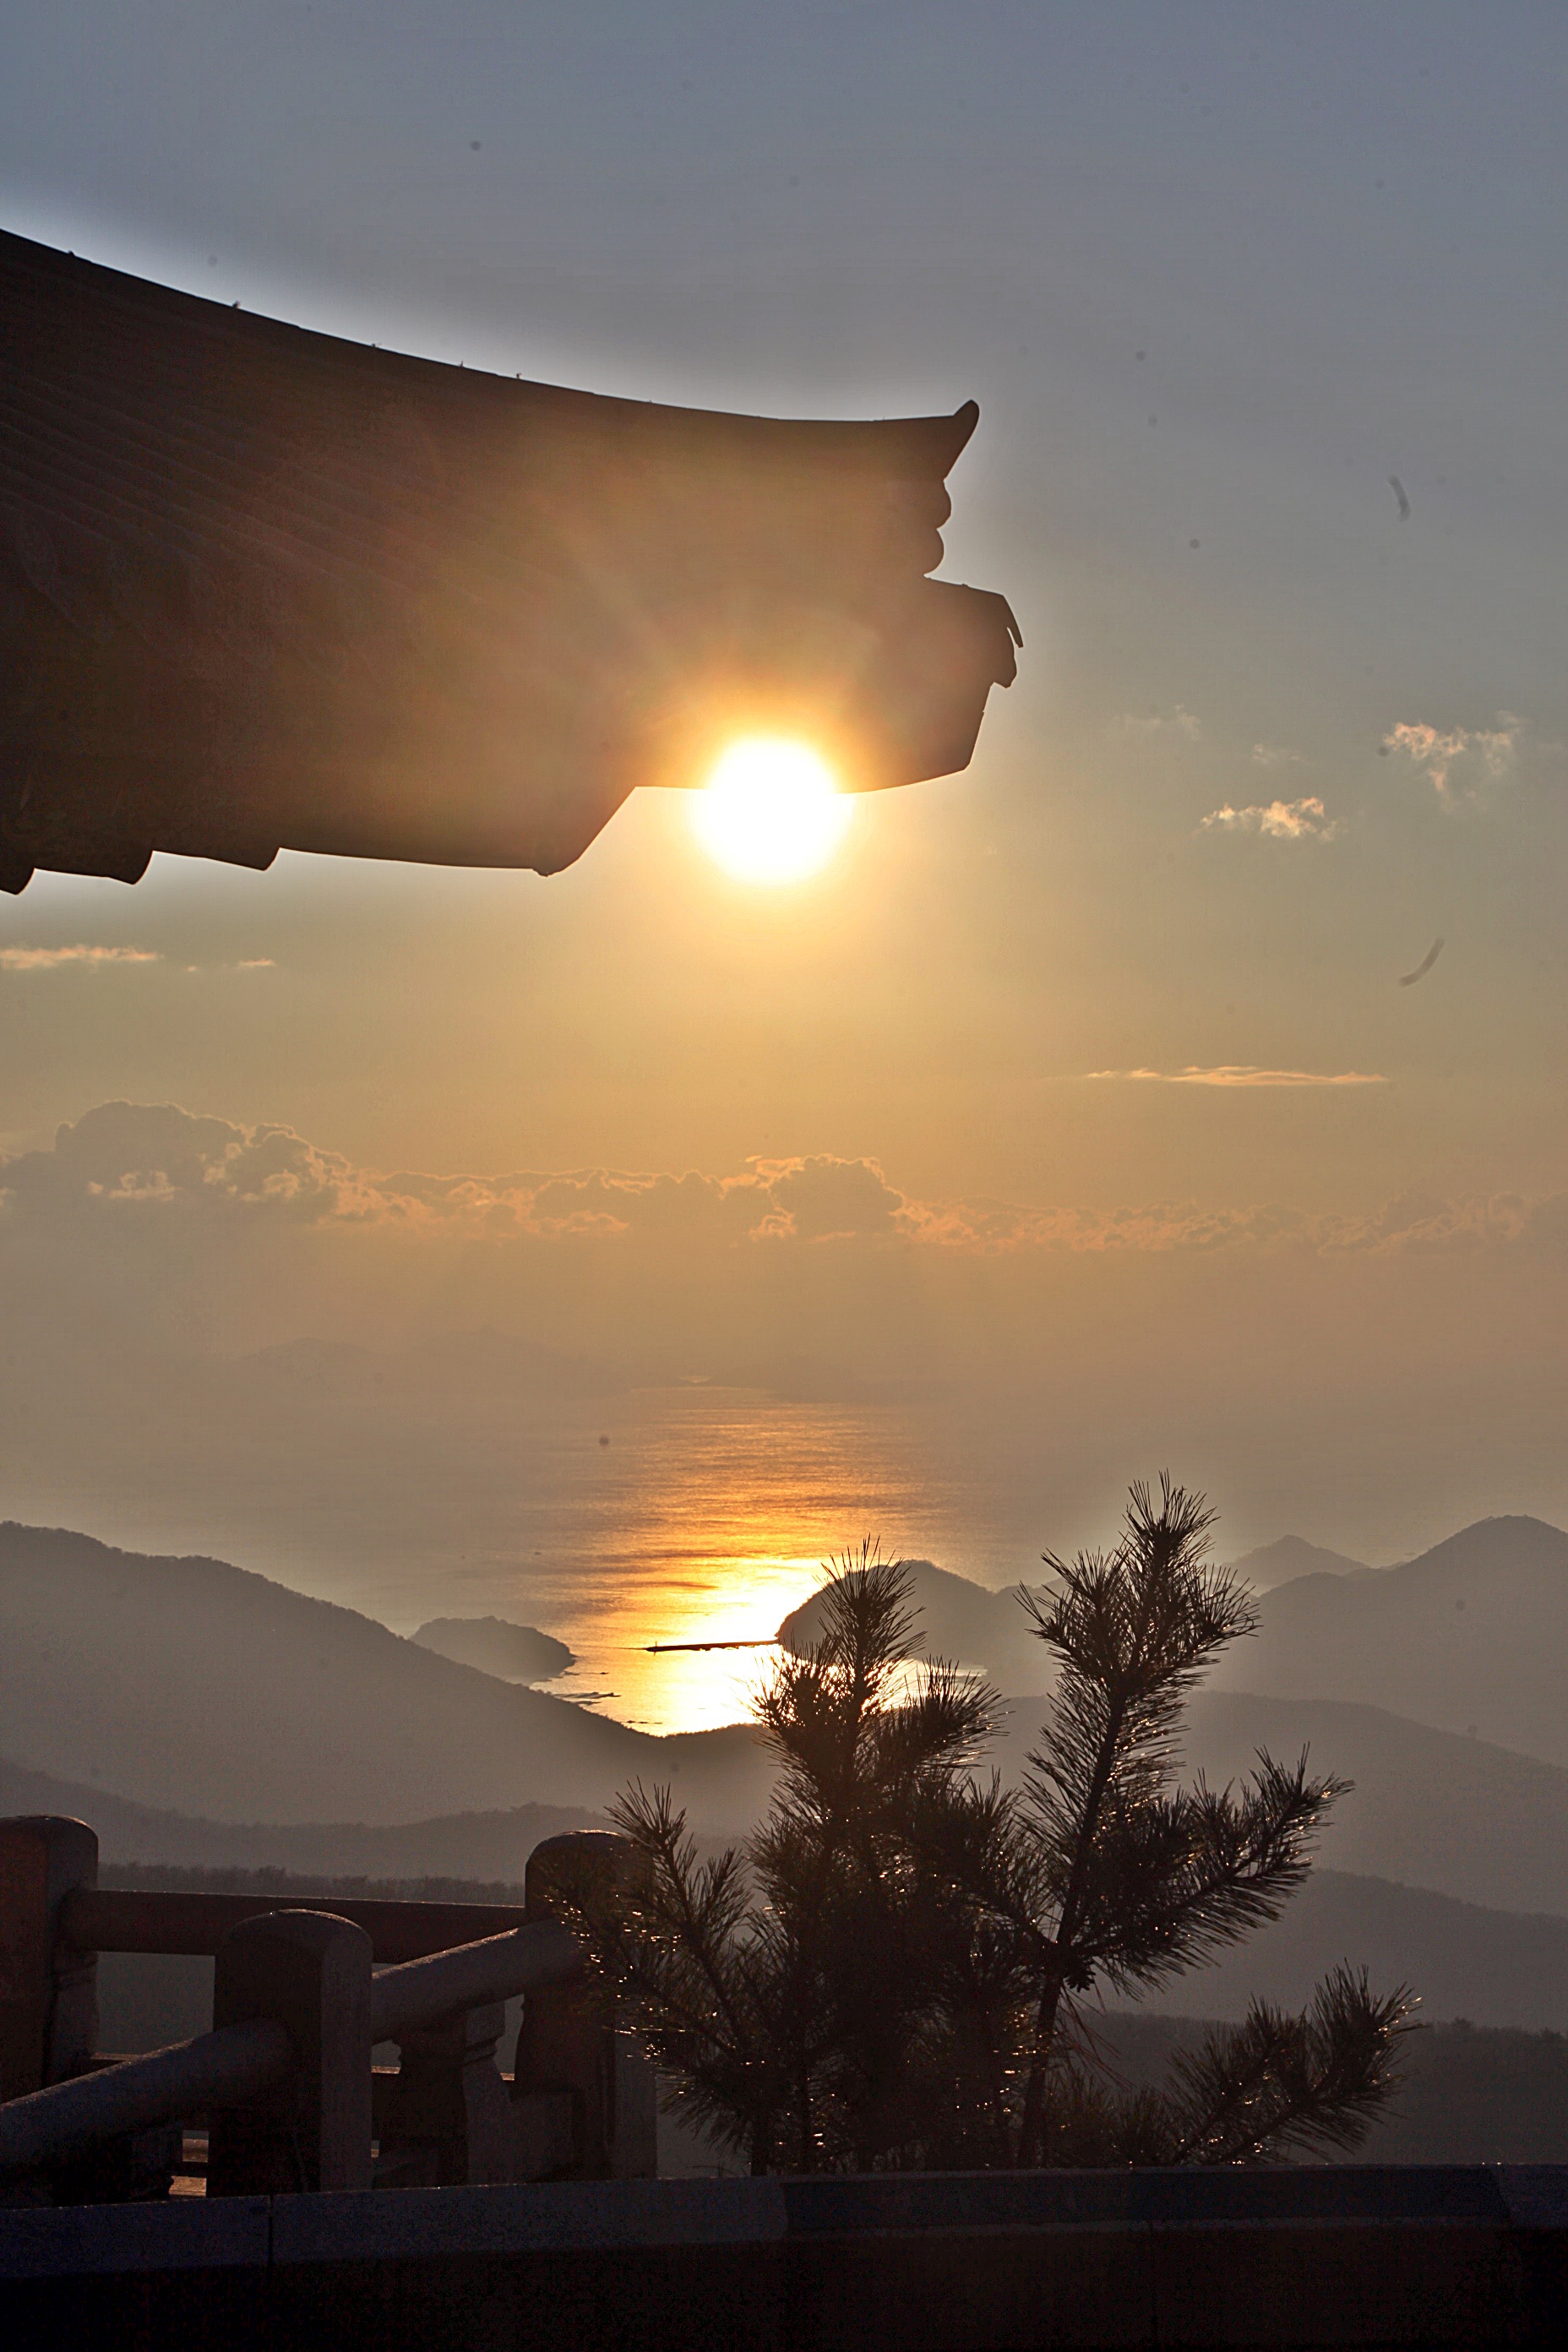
1131, 1879
787, 1994
899, 1971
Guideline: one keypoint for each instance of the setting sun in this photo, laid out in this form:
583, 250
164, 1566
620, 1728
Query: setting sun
771, 810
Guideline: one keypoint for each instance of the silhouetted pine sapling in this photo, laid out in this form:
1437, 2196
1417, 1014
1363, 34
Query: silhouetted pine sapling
899, 1969
1132, 1879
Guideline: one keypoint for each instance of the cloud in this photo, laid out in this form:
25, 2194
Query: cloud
1246, 1073
136, 1158
1179, 723
1302, 820
1275, 755
809, 1199
1412, 1224
1464, 765
93, 958
52, 958
823, 1199
1158, 1229
127, 1173
126, 1155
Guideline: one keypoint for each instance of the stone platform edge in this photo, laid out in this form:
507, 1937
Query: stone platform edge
1334, 2257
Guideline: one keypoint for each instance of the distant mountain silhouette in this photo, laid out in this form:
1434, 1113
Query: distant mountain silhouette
1470, 1638
1493, 1967
1472, 1634
980, 1627
514, 1654
1471, 2094
1468, 2093
1292, 1556
189, 1683
959, 1620
1431, 1808
1496, 1967
195, 1690
486, 1846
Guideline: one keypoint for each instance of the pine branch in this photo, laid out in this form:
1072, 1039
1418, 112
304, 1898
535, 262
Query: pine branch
1177, 1881
1132, 1630
1278, 2082
939, 1729
696, 1909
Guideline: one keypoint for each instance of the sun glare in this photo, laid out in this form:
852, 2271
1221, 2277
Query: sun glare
771, 810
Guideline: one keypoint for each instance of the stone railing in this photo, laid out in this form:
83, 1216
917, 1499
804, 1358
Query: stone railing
285, 2080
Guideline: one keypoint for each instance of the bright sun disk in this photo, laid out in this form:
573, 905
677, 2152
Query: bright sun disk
771, 810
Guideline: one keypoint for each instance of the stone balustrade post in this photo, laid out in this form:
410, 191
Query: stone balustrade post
444, 2118
311, 1972
49, 1994
569, 2043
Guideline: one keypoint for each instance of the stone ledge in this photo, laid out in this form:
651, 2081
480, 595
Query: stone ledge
1318, 2260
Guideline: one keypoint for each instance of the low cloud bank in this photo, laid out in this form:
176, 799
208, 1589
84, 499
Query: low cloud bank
129, 1166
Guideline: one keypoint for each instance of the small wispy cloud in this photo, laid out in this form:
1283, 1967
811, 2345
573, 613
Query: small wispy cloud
256, 963
1302, 820
1179, 723
1462, 764
52, 958
1245, 1073
1275, 755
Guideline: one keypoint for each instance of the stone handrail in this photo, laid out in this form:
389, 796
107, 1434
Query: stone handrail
301, 1998
214, 2070
498, 1969
141, 1919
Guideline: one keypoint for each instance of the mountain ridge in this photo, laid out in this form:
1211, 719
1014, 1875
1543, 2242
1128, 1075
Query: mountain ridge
208, 1690
1287, 1558
1467, 1636
163, 1674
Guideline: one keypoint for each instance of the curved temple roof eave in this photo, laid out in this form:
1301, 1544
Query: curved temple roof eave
265, 587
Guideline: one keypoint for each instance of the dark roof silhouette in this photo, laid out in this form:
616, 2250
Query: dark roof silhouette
263, 588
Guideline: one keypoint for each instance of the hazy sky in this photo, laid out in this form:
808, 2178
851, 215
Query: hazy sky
1215, 274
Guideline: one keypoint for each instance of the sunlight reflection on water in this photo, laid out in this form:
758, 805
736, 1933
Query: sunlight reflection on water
736, 1599
707, 1517
613, 1519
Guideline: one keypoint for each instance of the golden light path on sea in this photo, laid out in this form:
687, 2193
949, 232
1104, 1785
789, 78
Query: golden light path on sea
668, 1513
708, 1518
717, 1600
